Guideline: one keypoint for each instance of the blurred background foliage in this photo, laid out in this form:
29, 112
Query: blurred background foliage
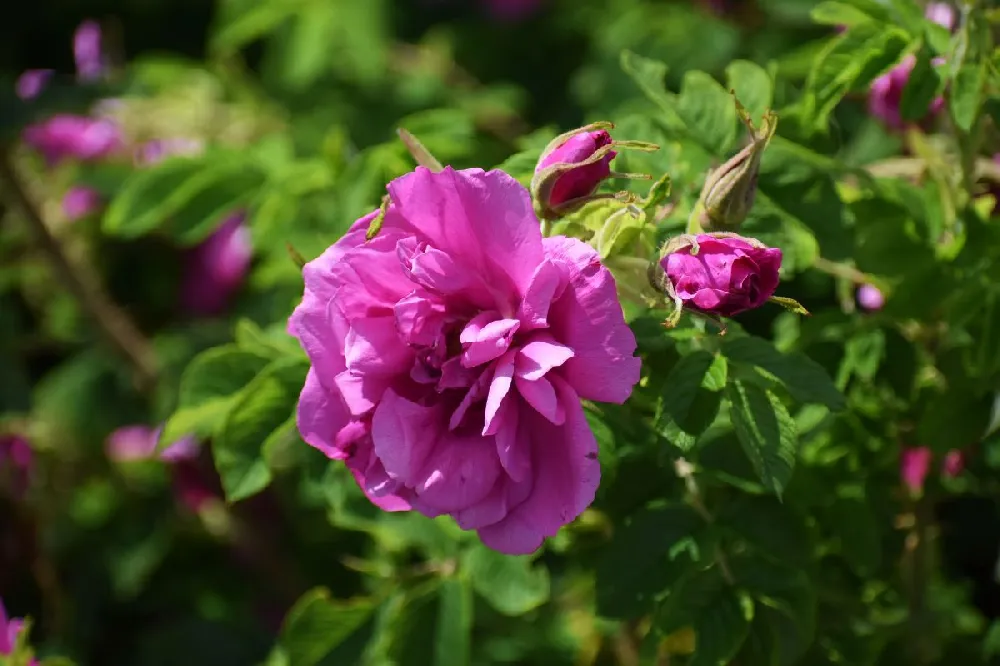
290, 110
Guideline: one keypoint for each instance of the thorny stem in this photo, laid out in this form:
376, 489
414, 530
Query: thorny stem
119, 330
685, 471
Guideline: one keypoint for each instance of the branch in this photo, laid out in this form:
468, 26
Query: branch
119, 330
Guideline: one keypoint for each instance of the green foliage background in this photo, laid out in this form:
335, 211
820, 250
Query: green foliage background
750, 510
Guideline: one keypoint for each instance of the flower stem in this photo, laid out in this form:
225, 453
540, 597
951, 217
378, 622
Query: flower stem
119, 330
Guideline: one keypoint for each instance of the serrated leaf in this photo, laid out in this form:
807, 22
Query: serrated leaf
708, 111
636, 565
965, 95
509, 583
187, 197
261, 408
317, 624
785, 589
681, 394
766, 431
208, 387
648, 75
752, 85
805, 379
922, 87
769, 526
704, 601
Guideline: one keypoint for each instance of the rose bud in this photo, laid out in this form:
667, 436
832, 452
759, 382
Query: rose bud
953, 464
870, 297
572, 167
914, 464
718, 275
80, 202
730, 191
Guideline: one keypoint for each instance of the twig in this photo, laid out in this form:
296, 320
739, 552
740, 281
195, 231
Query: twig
114, 324
685, 471
841, 270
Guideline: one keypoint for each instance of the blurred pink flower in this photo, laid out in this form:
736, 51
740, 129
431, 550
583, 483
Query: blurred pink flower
138, 442
870, 297
16, 463
10, 629
154, 152
66, 136
512, 10
886, 92
954, 463
32, 82
451, 352
90, 60
214, 271
79, 202
914, 464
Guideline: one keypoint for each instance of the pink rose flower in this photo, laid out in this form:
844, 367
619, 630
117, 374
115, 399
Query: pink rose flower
450, 354
953, 464
582, 181
870, 297
941, 13
727, 276
914, 464
215, 270
66, 136
79, 202
10, 629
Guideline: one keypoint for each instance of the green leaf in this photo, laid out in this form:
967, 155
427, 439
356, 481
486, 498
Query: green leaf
851, 520
785, 589
704, 601
453, 638
708, 111
241, 21
840, 13
765, 430
954, 418
261, 408
509, 583
769, 526
851, 61
686, 409
208, 387
805, 379
189, 196
752, 85
965, 95
637, 564
317, 624
922, 87
648, 75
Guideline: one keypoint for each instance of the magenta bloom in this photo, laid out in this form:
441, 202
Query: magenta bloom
450, 354
583, 180
66, 136
953, 464
870, 297
914, 464
90, 61
16, 462
215, 269
727, 276
886, 91
32, 82
512, 10
138, 442
10, 629
79, 202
